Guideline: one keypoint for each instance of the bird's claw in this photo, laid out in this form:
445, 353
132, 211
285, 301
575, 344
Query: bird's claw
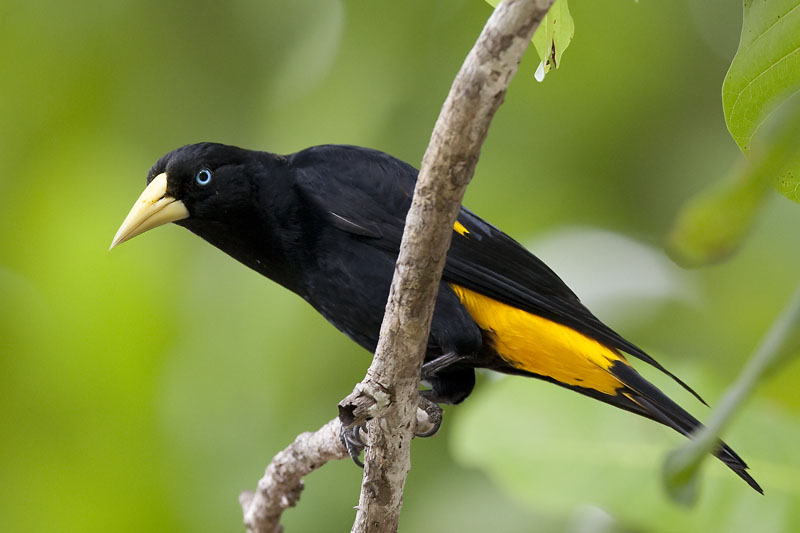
351, 438
434, 417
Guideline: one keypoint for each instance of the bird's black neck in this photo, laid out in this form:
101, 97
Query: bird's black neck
253, 235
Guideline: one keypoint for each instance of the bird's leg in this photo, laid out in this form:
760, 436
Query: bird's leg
450, 386
431, 368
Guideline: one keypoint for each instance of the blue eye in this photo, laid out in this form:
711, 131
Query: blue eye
203, 177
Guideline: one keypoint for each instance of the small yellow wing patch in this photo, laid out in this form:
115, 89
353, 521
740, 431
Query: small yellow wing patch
534, 344
459, 228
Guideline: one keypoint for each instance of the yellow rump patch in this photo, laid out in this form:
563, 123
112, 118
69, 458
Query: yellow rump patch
459, 228
534, 344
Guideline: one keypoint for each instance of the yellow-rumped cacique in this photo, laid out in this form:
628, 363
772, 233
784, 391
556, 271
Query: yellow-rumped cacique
326, 223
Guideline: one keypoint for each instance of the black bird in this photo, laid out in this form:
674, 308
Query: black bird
326, 223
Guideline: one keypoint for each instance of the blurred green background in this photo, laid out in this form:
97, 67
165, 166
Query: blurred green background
142, 390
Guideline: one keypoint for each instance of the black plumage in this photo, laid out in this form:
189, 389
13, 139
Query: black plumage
326, 223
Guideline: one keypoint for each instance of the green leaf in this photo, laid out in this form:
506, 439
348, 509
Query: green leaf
766, 66
712, 224
552, 36
782, 132
764, 73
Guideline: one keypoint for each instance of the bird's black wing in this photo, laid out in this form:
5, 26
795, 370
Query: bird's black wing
484, 259
357, 190
368, 193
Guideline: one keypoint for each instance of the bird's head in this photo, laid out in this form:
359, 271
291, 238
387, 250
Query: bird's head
199, 182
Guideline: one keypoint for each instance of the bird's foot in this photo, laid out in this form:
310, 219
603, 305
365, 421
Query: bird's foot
429, 420
351, 438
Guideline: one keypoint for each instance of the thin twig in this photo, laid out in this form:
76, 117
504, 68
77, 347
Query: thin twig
282, 483
780, 344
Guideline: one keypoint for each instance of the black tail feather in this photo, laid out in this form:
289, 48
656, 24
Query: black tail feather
660, 408
636, 352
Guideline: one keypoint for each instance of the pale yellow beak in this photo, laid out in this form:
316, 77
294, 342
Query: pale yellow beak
153, 208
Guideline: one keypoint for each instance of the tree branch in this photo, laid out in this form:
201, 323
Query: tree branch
386, 400
282, 483
389, 393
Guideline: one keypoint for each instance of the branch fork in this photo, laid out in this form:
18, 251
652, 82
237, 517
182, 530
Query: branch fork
388, 398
